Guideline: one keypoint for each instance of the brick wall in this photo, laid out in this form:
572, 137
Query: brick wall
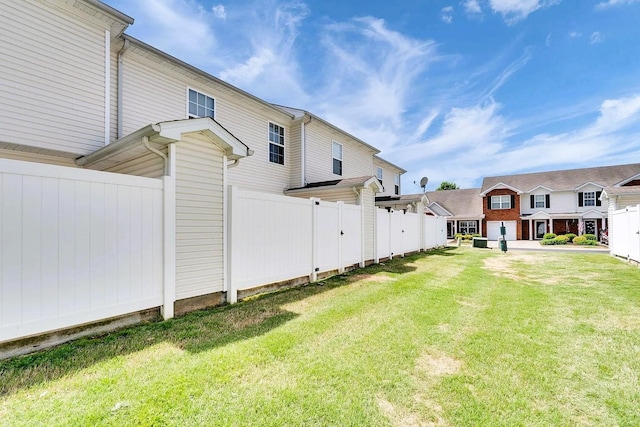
512, 214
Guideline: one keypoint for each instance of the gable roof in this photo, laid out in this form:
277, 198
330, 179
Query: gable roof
377, 159
566, 180
460, 203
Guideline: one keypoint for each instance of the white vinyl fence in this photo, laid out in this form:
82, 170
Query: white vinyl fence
399, 233
76, 246
624, 233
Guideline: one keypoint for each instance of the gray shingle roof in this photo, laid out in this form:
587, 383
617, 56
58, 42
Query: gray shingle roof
564, 180
461, 203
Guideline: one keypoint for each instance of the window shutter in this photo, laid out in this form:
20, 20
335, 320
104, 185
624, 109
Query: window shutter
533, 201
598, 201
580, 200
547, 201
513, 201
489, 202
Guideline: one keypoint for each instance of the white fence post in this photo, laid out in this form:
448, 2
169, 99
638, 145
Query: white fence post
233, 228
314, 239
169, 223
340, 239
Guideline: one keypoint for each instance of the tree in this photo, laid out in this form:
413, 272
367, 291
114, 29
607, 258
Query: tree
446, 185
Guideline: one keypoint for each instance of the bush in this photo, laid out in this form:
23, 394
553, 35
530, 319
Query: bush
467, 237
561, 240
583, 240
458, 236
476, 235
549, 236
590, 236
571, 236
548, 242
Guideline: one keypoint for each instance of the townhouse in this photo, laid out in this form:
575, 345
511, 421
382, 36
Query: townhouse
121, 131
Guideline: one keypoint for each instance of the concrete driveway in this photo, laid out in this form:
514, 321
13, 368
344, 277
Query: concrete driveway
534, 245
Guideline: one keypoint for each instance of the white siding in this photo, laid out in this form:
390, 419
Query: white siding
357, 160
199, 218
52, 74
293, 155
628, 200
154, 92
149, 165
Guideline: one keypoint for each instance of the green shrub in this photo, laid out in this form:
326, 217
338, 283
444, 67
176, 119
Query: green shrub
476, 235
458, 236
571, 236
583, 240
590, 236
561, 240
549, 236
467, 237
548, 242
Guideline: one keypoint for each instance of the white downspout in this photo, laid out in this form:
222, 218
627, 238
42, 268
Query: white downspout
303, 152
124, 48
107, 87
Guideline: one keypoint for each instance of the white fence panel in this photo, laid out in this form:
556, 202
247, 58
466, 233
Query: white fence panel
441, 231
411, 232
76, 246
351, 235
624, 233
327, 237
271, 239
396, 234
430, 235
383, 219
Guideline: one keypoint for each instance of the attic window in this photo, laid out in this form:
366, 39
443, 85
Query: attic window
589, 198
200, 105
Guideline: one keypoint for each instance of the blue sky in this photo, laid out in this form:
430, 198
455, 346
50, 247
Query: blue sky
451, 90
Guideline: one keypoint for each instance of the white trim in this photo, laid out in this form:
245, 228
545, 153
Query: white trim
540, 186
501, 185
625, 181
107, 87
215, 102
169, 223
588, 183
441, 207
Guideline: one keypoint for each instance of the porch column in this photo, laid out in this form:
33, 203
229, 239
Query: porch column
530, 229
550, 225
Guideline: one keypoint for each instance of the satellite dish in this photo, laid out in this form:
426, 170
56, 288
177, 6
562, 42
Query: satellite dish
423, 182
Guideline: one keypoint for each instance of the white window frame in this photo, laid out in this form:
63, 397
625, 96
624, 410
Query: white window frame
379, 173
277, 144
590, 200
465, 225
540, 201
335, 144
198, 92
498, 202
396, 183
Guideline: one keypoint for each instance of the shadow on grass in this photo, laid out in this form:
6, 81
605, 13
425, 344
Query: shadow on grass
194, 332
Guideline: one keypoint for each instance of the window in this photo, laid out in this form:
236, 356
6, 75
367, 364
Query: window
540, 201
337, 158
276, 144
467, 227
379, 174
501, 202
589, 198
396, 182
200, 105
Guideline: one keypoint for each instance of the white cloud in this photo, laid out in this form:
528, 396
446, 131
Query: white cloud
612, 3
446, 14
547, 41
219, 11
472, 7
513, 11
575, 34
596, 37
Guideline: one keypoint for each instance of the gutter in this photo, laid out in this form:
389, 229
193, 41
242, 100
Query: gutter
110, 150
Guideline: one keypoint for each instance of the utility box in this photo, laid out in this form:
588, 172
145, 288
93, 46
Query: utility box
503, 245
503, 231
480, 242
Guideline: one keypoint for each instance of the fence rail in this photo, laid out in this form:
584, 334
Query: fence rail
624, 233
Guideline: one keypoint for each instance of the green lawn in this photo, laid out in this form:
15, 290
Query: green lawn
453, 337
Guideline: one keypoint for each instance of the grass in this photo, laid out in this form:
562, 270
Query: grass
459, 336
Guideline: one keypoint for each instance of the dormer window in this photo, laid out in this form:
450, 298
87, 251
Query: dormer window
589, 198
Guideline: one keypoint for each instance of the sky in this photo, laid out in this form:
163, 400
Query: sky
451, 90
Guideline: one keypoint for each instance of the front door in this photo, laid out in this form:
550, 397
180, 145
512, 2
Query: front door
541, 229
590, 227
450, 232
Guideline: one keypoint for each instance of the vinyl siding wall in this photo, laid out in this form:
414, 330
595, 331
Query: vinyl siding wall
199, 218
294, 157
53, 73
357, 160
155, 91
149, 165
